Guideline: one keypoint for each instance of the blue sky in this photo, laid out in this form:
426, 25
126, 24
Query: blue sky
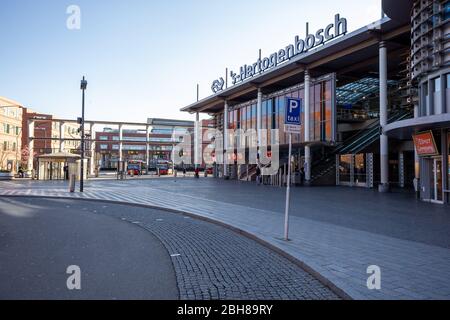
143, 58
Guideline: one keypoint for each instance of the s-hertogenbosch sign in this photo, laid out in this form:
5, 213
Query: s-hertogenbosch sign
300, 46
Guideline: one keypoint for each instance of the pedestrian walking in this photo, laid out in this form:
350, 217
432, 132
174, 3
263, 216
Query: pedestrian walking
197, 173
258, 175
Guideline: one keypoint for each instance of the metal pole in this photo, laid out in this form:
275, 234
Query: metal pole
288, 192
82, 139
384, 141
307, 128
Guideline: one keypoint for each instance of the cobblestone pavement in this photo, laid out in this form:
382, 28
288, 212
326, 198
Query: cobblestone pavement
210, 261
337, 232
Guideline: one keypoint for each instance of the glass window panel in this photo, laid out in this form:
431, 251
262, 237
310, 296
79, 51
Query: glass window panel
360, 168
254, 120
437, 84
448, 161
345, 167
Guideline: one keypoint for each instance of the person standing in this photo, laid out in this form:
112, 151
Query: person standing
66, 172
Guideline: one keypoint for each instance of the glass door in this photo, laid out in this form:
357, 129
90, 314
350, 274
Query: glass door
437, 187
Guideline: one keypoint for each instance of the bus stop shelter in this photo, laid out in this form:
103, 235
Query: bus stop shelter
59, 166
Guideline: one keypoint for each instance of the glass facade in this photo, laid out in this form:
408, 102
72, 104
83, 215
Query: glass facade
360, 168
345, 168
448, 160
244, 116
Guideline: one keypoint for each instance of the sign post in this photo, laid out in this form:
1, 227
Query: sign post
292, 125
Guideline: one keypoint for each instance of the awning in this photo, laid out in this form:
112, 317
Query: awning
406, 128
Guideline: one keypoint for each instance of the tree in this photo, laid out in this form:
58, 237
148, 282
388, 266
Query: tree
25, 155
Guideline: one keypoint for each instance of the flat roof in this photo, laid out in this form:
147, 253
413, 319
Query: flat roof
151, 122
347, 52
169, 122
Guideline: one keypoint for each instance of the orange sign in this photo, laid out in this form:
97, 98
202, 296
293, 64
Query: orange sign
425, 144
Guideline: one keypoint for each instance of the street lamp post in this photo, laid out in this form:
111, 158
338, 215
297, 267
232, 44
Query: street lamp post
83, 88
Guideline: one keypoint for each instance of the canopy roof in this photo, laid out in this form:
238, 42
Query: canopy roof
60, 156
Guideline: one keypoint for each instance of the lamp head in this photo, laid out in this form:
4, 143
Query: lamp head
83, 85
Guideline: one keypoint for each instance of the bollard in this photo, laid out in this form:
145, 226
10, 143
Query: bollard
72, 183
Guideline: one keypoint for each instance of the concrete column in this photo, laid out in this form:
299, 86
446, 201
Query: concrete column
92, 159
147, 146
225, 140
445, 168
197, 137
401, 169
416, 158
307, 135
61, 136
30, 145
259, 117
384, 142
120, 143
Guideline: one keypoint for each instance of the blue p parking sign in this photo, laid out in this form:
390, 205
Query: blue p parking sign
292, 125
293, 111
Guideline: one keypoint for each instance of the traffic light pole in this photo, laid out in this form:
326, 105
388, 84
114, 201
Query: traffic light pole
83, 88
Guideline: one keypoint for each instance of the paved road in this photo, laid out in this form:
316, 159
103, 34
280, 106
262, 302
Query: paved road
39, 239
395, 214
134, 252
337, 232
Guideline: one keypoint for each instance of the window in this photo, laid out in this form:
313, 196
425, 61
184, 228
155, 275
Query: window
14, 146
437, 84
153, 139
115, 138
103, 146
162, 131
135, 139
103, 138
437, 98
446, 11
7, 128
134, 147
274, 114
425, 101
180, 131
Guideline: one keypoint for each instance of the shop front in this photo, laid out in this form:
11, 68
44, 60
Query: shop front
433, 149
355, 170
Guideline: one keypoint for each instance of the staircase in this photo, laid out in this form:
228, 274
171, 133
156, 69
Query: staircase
324, 170
249, 175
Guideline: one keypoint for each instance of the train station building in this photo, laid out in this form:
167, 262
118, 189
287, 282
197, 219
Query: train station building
375, 110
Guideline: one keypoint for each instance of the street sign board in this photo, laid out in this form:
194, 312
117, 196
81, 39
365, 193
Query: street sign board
292, 121
292, 124
425, 144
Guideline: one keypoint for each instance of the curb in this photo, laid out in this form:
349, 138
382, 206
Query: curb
323, 280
